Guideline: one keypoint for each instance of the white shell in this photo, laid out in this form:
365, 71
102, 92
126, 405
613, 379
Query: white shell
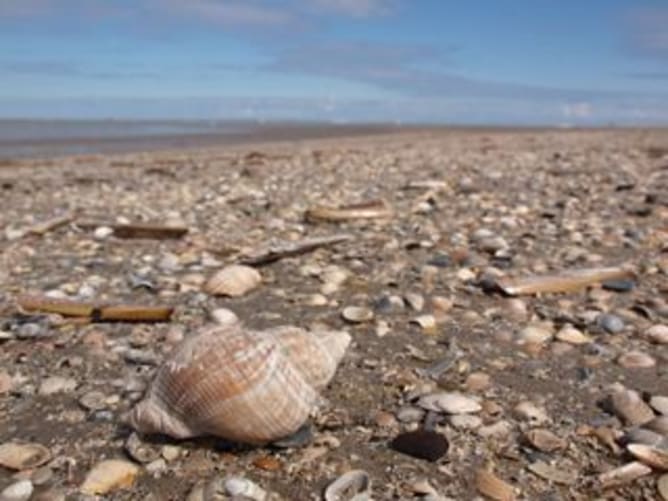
241, 385
233, 281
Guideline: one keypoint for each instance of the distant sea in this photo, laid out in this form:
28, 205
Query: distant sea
43, 138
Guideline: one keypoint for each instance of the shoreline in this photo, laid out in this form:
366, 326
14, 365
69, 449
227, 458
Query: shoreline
18, 150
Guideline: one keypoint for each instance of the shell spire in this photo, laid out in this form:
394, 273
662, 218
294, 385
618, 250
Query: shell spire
242, 385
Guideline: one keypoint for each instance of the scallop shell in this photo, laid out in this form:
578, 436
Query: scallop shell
233, 281
241, 385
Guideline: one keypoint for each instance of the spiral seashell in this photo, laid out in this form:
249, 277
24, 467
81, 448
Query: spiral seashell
233, 281
241, 385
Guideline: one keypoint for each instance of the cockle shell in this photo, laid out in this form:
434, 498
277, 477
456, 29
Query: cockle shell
235, 280
239, 384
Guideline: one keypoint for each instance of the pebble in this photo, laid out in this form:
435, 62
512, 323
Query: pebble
610, 323
410, 414
414, 300
357, 314
628, 405
450, 403
223, 316
110, 475
657, 334
57, 384
534, 334
477, 381
571, 335
545, 440
636, 360
500, 430
659, 404
621, 285
170, 452
426, 322
242, 488
102, 232
6, 382
93, 401
530, 412
465, 421
32, 330
662, 486
421, 444
18, 491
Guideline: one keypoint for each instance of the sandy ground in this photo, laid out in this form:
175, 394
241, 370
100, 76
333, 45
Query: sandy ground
468, 208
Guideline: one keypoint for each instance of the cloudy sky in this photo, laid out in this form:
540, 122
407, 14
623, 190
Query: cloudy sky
482, 61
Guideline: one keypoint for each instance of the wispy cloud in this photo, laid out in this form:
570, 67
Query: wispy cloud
357, 8
647, 31
69, 69
231, 13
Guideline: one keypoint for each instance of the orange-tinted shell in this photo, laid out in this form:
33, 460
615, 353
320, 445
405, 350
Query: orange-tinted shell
241, 385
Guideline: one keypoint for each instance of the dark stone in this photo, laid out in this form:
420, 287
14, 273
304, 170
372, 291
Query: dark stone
421, 444
610, 323
621, 285
440, 261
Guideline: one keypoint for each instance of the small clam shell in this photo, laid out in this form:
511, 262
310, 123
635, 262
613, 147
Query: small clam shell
23, 456
354, 485
662, 487
493, 487
233, 281
241, 385
651, 456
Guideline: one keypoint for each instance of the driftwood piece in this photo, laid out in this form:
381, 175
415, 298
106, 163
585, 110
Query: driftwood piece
569, 281
93, 311
153, 231
275, 252
44, 227
373, 209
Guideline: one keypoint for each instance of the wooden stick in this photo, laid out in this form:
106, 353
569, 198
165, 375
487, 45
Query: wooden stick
374, 209
154, 231
97, 313
288, 249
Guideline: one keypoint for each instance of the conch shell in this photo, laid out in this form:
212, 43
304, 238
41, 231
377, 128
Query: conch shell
241, 385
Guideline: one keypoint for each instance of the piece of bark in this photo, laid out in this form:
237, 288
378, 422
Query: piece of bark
374, 209
95, 312
275, 252
153, 231
568, 281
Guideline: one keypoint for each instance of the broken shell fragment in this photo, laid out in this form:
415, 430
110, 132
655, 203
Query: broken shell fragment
374, 209
624, 474
569, 281
493, 487
233, 281
651, 456
23, 456
628, 405
241, 385
450, 403
354, 485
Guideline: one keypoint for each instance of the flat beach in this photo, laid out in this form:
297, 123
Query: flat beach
538, 391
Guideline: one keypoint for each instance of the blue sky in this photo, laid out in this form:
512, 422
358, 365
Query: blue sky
482, 61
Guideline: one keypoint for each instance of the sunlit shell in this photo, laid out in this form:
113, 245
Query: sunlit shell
233, 281
241, 385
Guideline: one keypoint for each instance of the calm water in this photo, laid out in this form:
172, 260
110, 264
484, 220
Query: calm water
44, 138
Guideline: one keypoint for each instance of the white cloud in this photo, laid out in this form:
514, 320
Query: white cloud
577, 110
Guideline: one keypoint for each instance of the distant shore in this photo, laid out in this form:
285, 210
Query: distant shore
47, 138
